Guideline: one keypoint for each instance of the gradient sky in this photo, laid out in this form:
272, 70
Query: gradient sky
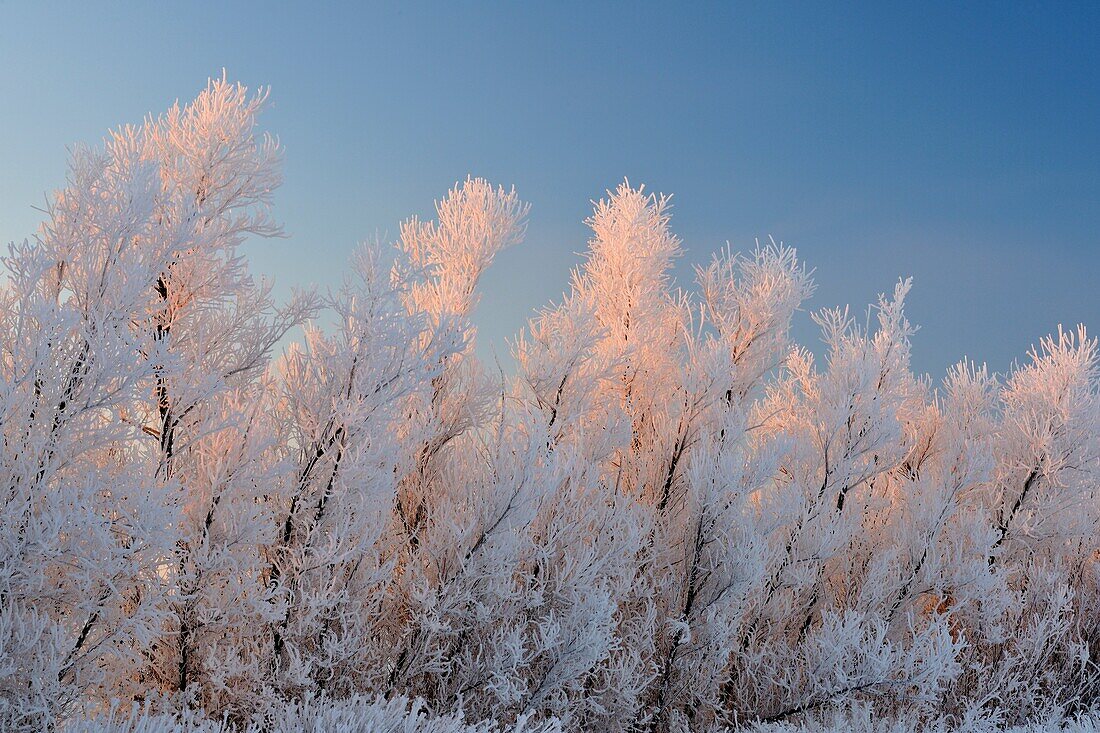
960, 145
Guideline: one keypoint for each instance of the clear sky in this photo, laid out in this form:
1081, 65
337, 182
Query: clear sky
959, 145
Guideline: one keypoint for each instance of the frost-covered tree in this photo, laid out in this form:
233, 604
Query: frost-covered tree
213, 331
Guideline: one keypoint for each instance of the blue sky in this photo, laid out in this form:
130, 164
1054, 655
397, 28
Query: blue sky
959, 145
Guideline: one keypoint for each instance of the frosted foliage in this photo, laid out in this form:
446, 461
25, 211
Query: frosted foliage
222, 513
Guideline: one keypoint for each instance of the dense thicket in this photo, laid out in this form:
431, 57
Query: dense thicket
670, 518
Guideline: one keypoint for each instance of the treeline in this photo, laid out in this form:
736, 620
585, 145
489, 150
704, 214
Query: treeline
670, 518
